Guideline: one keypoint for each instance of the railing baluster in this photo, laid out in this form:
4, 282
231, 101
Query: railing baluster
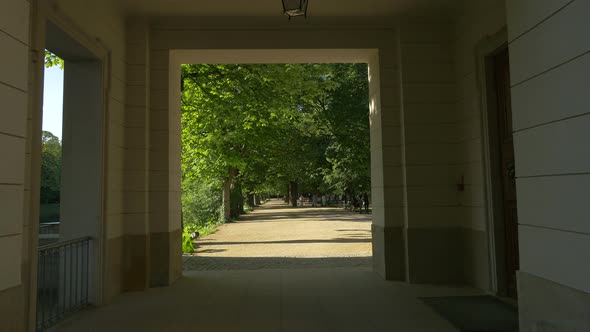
87, 270
38, 284
62, 309
45, 288
69, 276
49, 285
55, 282
76, 246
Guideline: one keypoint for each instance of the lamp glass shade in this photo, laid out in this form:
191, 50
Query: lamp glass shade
294, 8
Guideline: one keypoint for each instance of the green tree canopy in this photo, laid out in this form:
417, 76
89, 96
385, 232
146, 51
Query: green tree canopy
50, 168
257, 128
52, 60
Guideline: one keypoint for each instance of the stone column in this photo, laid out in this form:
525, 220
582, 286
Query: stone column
81, 181
386, 159
15, 147
433, 215
136, 237
164, 173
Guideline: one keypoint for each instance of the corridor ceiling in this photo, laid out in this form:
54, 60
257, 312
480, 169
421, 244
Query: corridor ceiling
272, 8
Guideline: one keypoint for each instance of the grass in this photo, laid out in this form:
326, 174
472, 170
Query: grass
188, 245
208, 229
48, 213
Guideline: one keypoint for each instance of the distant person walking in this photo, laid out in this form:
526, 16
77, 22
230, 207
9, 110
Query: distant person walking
366, 202
356, 204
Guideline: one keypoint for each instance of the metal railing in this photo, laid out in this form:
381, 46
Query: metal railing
49, 228
62, 280
48, 233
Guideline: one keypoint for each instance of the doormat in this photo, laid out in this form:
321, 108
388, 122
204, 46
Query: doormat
475, 313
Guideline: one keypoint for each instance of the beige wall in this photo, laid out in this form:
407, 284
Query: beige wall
179, 34
136, 159
477, 23
170, 34
99, 23
430, 142
446, 228
103, 22
14, 41
430, 131
418, 155
20, 122
430, 150
550, 70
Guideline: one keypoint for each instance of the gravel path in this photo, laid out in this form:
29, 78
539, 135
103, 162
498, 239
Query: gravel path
282, 237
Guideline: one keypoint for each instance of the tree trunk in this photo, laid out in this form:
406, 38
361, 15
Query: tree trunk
250, 198
257, 199
293, 193
226, 215
288, 196
240, 197
227, 185
237, 200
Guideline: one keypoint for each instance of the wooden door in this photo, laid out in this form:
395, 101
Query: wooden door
506, 160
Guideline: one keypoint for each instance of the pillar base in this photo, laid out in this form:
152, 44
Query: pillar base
12, 307
114, 265
388, 252
544, 305
136, 267
435, 255
166, 258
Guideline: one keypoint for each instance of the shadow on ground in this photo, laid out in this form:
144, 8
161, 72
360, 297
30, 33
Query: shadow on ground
306, 214
352, 239
194, 263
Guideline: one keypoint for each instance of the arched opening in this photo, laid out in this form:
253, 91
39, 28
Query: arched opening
367, 56
68, 269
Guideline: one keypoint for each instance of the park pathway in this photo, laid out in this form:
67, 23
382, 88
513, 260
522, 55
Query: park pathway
278, 236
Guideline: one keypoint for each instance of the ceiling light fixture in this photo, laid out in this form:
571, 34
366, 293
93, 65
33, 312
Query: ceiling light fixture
293, 8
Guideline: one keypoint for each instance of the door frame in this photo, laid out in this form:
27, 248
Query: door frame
41, 14
486, 49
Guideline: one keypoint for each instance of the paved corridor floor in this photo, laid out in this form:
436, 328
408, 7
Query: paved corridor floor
279, 270
298, 300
